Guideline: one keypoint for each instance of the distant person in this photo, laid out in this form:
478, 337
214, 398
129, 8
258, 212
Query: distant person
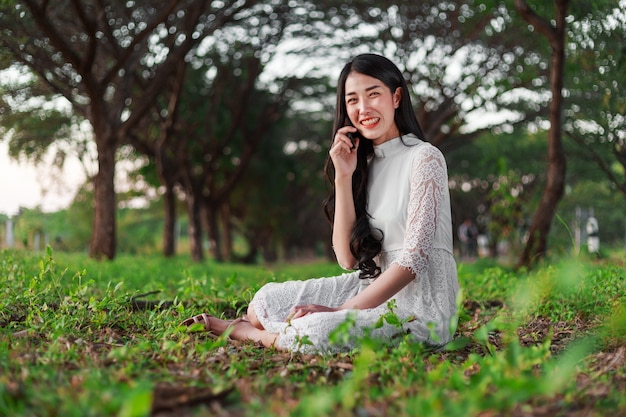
468, 237
593, 237
392, 229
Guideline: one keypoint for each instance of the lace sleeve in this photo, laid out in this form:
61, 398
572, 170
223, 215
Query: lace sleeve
428, 185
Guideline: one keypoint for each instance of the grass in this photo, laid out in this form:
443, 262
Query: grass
547, 342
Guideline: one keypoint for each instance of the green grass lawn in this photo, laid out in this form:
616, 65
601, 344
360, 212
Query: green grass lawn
72, 343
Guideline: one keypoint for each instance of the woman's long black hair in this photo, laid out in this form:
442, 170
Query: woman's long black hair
364, 243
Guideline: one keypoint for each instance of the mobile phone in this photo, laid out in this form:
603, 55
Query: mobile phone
351, 135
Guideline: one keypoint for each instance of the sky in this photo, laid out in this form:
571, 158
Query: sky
24, 185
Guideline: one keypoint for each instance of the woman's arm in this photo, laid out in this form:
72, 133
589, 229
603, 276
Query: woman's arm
383, 288
343, 155
388, 284
345, 217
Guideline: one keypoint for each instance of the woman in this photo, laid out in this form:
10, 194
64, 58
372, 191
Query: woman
390, 211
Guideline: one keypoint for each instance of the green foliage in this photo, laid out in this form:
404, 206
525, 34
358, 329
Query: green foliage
496, 181
275, 206
596, 77
608, 207
140, 231
31, 117
570, 291
70, 344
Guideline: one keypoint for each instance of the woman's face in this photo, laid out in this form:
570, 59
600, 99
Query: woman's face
371, 107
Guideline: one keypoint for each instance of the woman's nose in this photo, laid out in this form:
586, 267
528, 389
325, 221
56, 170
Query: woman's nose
363, 106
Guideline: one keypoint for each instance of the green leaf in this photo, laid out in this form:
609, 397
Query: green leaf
138, 402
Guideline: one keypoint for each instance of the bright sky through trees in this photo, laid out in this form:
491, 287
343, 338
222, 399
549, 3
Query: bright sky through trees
24, 185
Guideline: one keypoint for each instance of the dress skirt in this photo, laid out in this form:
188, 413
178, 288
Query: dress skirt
426, 308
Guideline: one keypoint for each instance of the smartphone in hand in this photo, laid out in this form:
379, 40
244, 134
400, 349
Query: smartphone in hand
351, 135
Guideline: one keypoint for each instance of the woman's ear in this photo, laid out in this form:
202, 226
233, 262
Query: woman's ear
397, 97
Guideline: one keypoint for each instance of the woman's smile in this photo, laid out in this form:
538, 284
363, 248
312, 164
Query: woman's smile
371, 107
371, 122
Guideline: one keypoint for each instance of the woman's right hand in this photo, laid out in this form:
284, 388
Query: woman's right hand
343, 152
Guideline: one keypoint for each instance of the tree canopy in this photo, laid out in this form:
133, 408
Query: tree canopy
230, 104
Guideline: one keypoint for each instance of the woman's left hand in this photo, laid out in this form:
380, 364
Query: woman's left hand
301, 311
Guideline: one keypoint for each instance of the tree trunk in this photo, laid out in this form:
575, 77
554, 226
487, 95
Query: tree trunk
227, 247
536, 245
270, 254
195, 227
493, 247
169, 239
103, 238
214, 232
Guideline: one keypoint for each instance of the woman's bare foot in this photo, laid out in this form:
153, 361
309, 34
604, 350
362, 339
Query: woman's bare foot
239, 329
219, 326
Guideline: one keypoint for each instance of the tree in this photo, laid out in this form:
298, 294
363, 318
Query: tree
278, 205
596, 103
555, 173
39, 127
155, 138
31, 128
461, 58
109, 61
493, 181
210, 120
222, 127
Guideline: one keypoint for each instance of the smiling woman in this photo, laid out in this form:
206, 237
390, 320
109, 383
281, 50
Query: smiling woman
391, 230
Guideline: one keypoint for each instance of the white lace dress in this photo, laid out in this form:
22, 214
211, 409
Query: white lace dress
409, 202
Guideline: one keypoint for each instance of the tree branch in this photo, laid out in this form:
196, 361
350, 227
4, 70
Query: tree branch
137, 40
39, 15
90, 28
598, 160
542, 25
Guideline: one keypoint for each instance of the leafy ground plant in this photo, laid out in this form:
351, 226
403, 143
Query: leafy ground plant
82, 338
